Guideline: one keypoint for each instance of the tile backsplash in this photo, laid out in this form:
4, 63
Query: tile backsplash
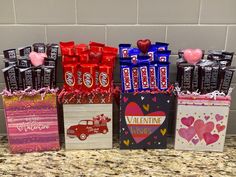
206, 24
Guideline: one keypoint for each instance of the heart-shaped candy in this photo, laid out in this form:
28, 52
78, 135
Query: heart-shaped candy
144, 45
192, 56
37, 59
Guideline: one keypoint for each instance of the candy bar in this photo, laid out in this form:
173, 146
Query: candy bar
48, 76
226, 76
81, 48
152, 52
109, 59
143, 69
79, 77
133, 53
110, 50
27, 77
52, 51
89, 77
39, 47
161, 46
70, 76
105, 77
96, 47
186, 77
67, 48
66, 59
153, 76
215, 77
38, 78
10, 54
24, 62
162, 76
10, 78
205, 81
126, 72
195, 79
52, 62
163, 56
25, 51
124, 49
10, 62
135, 78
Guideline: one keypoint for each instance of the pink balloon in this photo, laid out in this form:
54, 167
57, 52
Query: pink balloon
37, 59
192, 56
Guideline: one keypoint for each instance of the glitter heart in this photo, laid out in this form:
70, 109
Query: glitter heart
144, 45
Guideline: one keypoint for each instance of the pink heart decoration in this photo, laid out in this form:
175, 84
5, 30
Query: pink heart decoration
125, 99
201, 128
140, 131
195, 141
210, 138
155, 137
187, 133
219, 117
187, 121
207, 117
220, 127
154, 99
192, 56
37, 59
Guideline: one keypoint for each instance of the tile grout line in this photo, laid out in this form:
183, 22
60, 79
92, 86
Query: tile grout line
45, 33
14, 10
137, 14
200, 11
106, 34
166, 33
226, 36
76, 18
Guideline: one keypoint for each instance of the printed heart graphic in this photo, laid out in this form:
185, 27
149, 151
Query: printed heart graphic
144, 45
146, 107
154, 99
195, 141
149, 143
95, 57
37, 59
201, 128
187, 121
192, 56
142, 97
210, 138
187, 133
207, 117
163, 131
125, 99
155, 137
220, 127
142, 125
126, 132
126, 142
219, 117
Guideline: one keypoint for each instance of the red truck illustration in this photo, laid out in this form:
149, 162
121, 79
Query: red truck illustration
88, 127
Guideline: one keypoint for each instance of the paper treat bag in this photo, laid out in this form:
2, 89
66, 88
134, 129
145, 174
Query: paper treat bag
31, 122
201, 122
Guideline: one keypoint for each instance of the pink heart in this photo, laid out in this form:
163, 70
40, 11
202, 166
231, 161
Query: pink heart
187, 133
140, 131
126, 132
154, 99
219, 117
207, 117
37, 59
187, 121
155, 137
149, 143
125, 99
201, 128
195, 141
210, 138
220, 127
192, 56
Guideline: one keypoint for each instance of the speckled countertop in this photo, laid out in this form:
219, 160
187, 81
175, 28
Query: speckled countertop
120, 162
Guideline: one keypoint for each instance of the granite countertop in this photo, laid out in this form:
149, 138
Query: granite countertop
117, 162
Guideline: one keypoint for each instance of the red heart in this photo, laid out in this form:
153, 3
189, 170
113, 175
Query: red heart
219, 117
144, 45
187, 121
201, 128
135, 120
187, 133
95, 57
192, 56
210, 138
220, 127
125, 99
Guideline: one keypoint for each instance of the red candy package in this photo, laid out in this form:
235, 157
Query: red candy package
109, 59
88, 76
95, 57
80, 48
79, 77
110, 50
84, 57
69, 59
105, 77
96, 47
70, 76
67, 48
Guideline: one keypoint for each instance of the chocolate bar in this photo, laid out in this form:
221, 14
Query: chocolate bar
186, 77
161, 46
39, 47
10, 54
48, 76
163, 56
38, 78
226, 75
123, 50
24, 62
214, 78
52, 51
163, 75
25, 51
205, 81
52, 62
152, 76
10, 78
195, 78
10, 62
26, 75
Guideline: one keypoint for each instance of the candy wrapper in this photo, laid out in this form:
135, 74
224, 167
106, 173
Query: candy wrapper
145, 68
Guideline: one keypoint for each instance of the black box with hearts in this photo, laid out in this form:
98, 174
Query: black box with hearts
144, 120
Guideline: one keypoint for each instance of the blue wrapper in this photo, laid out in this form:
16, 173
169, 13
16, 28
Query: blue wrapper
163, 56
124, 49
126, 78
161, 46
152, 52
163, 75
143, 68
153, 76
133, 53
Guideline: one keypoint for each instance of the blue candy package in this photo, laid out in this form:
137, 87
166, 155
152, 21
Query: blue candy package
143, 69
126, 74
133, 53
162, 71
163, 56
152, 52
124, 49
162, 46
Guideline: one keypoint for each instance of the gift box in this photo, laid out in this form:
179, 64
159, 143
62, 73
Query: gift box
201, 122
87, 121
144, 120
31, 122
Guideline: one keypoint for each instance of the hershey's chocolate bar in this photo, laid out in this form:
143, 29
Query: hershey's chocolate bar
10, 62
38, 78
10, 78
195, 78
24, 63
10, 54
25, 51
214, 78
52, 51
39, 47
48, 76
205, 83
186, 77
226, 78
27, 77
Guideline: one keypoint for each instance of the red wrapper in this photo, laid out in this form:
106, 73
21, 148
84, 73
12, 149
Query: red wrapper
105, 77
80, 48
67, 48
109, 59
84, 57
89, 77
96, 47
95, 57
69, 59
70, 76
79, 77
110, 50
